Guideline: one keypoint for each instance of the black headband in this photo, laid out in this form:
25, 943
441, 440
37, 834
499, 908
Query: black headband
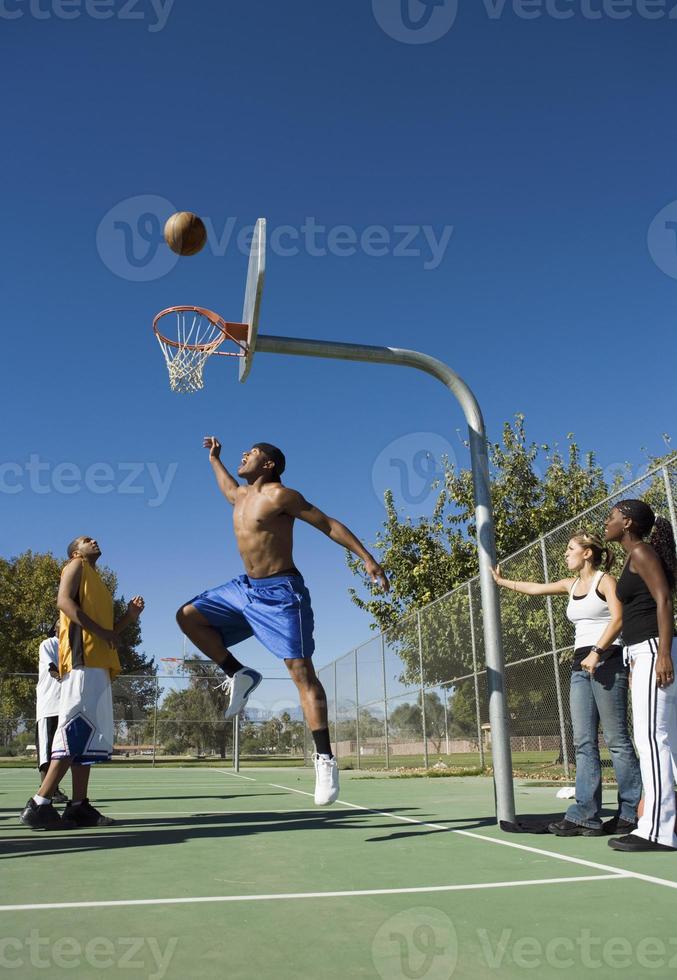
272, 452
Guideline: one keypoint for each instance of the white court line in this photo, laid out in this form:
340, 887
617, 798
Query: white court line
621, 872
239, 775
290, 896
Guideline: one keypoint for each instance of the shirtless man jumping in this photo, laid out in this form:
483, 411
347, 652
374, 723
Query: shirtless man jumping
271, 601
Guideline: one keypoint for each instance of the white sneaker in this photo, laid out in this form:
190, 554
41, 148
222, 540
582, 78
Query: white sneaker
240, 686
326, 780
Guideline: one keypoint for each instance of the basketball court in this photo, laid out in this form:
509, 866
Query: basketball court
401, 878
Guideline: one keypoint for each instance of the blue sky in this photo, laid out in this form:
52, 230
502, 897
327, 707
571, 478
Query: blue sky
540, 153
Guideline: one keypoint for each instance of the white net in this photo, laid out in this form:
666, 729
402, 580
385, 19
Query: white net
196, 339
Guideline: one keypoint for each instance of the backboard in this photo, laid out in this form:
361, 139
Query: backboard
253, 294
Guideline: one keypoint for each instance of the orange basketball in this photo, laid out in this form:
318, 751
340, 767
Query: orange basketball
185, 233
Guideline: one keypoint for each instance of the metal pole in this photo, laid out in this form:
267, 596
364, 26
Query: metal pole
446, 720
236, 743
476, 681
357, 710
553, 640
671, 501
335, 714
385, 702
486, 545
424, 725
155, 701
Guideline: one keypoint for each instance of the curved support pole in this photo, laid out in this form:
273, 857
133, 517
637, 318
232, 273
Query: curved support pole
491, 612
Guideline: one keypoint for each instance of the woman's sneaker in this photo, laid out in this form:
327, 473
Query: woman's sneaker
44, 817
85, 815
326, 780
567, 828
619, 826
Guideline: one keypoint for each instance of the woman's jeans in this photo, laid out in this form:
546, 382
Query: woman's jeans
602, 697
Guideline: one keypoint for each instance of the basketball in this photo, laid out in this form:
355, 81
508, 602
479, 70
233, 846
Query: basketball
185, 233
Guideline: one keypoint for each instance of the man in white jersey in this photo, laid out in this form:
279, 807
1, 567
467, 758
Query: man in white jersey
47, 698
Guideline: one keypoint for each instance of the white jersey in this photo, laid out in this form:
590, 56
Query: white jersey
48, 691
589, 614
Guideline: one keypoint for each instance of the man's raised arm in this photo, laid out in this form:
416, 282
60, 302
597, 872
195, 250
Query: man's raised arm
228, 485
297, 506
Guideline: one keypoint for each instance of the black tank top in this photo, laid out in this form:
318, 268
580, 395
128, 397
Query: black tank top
640, 621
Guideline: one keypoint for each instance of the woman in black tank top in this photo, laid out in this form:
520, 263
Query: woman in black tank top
645, 589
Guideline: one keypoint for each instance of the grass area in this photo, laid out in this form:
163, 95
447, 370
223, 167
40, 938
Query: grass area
541, 766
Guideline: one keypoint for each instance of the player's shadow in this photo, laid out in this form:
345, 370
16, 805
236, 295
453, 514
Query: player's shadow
172, 796
155, 832
467, 823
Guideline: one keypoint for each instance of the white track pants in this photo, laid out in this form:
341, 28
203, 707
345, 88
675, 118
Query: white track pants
654, 713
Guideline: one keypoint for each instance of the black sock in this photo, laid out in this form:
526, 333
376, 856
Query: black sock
230, 665
322, 743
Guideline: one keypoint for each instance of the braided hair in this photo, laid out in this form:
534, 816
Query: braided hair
662, 539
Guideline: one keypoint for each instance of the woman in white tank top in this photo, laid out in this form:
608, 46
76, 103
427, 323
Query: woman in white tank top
599, 688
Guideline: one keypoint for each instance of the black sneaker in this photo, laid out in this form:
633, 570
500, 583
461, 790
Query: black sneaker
633, 843
59, 797
44, 817
618, 826
566, 828
85, 815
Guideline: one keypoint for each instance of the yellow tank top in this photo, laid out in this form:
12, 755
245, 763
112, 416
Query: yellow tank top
77, 646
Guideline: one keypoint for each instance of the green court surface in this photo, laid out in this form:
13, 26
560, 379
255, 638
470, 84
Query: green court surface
213, 874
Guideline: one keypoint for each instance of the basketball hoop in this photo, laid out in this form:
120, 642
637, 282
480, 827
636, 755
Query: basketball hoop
197, 333
189, 335
174, 664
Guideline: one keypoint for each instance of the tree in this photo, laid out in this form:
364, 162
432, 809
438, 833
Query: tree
428, 558
29, 584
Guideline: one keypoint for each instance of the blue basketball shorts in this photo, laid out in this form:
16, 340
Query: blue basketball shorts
276, 610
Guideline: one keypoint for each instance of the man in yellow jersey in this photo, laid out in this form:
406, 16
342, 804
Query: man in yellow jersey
88, 662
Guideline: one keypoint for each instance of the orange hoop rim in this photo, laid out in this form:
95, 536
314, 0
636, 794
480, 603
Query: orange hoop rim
237, 332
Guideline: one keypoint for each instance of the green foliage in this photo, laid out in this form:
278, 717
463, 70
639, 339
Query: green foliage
190, 719
534, 487
429, 557
29, 584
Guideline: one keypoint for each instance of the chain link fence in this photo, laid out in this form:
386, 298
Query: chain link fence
415, 696
175, 717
